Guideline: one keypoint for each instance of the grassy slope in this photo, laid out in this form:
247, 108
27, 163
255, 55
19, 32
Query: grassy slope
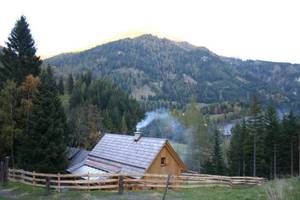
20, 191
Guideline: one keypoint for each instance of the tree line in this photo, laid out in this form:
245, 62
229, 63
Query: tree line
97, 106
261, 144
264, 145
42, 114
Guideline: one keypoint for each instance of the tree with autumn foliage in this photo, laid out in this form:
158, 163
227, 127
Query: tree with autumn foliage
29, 88
10, 128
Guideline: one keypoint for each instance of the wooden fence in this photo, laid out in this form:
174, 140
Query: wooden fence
120, 182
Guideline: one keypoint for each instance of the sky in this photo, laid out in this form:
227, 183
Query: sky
246, 29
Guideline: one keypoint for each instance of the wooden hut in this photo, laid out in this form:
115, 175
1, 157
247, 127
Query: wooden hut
125, 154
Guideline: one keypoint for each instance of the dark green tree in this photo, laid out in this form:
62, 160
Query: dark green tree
85, 123
43, 147
60, 86
237, 151
112, 103
70, 84
255, 125
19, 57
217, 160
124, 128
288, 145
272, 130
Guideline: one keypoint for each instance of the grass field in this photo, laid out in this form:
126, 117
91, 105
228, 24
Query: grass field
290, 187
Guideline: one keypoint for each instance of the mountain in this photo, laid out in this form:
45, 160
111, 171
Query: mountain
169, 72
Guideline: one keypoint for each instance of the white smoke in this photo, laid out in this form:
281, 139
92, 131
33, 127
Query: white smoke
150, 116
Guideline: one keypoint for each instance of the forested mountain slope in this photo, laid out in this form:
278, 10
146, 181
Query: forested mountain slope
161, 70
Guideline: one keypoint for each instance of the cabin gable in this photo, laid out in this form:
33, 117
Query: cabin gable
166, 162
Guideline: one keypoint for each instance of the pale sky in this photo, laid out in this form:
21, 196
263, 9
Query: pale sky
252, 29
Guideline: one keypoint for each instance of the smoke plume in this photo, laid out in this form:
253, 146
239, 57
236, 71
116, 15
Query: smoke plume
150, 116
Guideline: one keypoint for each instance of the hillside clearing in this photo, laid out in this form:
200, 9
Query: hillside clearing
20, 191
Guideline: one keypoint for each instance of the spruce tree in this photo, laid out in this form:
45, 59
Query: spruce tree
61, 88
255, 125
237, 153
43, 148
217, 160
289, 136
272, 129
124, 128
19, 57
70, 84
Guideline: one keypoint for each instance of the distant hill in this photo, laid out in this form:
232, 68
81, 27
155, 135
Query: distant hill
168, 72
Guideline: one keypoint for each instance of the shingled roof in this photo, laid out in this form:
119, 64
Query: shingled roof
76, 155
122, 154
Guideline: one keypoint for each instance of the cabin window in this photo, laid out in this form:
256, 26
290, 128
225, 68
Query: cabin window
163, 161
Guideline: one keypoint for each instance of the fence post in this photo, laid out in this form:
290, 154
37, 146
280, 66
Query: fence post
2, 173
33, 180
121, 184
167, 186
48, 185
5, 171
58, 181
22, 176
88, 179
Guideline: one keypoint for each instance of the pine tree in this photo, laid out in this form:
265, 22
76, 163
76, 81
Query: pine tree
43, 148
272, 129
217, 160
70, 84
18, 58
255, 124
124, 128
289, 135
61, 88
237, 151
85, 123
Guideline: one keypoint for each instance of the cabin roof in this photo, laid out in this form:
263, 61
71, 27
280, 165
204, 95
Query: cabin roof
117, 153
76, 155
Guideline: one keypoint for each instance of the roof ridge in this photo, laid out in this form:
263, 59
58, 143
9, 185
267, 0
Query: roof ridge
117, 134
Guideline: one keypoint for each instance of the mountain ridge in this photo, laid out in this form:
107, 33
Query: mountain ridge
158, 69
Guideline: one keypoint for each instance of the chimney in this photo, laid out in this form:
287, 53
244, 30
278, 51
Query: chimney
137, 136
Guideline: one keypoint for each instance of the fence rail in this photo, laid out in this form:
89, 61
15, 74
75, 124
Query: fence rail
122, 182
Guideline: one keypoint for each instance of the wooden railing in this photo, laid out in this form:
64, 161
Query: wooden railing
126, 181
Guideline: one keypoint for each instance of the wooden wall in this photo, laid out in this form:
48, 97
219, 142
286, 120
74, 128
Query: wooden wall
171, 167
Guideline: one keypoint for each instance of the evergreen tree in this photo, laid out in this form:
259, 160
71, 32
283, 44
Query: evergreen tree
237, 151
85, 123
124, 128
272, 129
87, 77
289, 139
255, 125
61, 88
217, 160
43, 148
111, 102
70, 83
18, 58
